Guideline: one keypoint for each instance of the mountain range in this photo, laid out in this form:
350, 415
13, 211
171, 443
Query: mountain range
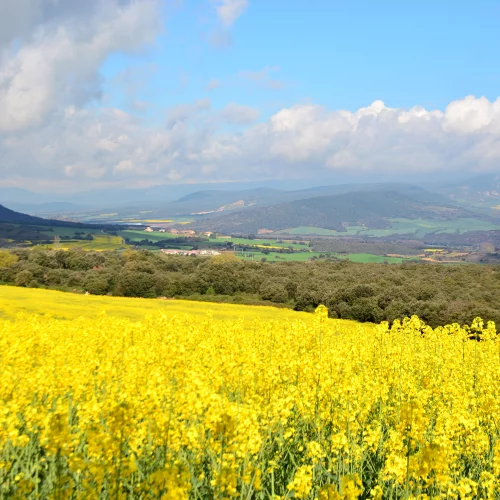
176, 196
245, 211
371, 209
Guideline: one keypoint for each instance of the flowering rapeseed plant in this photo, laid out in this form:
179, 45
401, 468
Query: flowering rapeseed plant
194, 407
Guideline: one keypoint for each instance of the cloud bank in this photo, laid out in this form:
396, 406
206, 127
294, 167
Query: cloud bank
83, 147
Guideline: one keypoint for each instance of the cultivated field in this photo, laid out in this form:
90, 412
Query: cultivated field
206, 405
418, 227
100, 242
305, 256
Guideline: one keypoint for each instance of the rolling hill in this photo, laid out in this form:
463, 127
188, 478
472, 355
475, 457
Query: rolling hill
372, 209
8, 215
480, 191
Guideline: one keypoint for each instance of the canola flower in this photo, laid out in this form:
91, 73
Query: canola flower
189, 407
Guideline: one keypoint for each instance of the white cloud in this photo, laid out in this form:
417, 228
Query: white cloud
228, 11
77, 148
188, 112
57, 63
238, 114
471, 114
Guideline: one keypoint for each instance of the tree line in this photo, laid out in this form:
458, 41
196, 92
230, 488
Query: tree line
439, 294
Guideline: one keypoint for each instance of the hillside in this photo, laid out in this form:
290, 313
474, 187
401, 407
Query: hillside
480, 191
7, 215
214, 202
16, 300
371, 209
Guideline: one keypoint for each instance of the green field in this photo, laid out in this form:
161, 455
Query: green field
368, 258
133, 235
99, 243
279, 257
418, 227
306, 230
364, 258
260, 242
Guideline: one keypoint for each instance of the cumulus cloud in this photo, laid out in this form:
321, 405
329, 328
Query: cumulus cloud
62, 45
89, 147
471, 115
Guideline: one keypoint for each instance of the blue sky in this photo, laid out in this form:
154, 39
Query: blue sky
340, 54
134, 93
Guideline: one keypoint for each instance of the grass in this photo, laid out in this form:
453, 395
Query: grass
100, 242
16, 300
419, 227
142, 235
261, 243
310, 230
133, 235
363, 258
50, 232
152, 221
422, 227
368, 258
279, 257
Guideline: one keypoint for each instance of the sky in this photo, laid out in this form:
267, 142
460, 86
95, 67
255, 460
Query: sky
135, 93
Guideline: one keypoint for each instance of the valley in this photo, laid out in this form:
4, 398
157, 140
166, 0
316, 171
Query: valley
277, 225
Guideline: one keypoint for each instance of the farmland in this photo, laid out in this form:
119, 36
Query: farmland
418, 227
187, 400
99, 242
69, 306
258, 248
305, 256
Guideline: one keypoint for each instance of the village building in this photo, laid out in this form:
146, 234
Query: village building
206, 252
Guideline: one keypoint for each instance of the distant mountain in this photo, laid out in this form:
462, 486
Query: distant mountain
372, 209
12, 217
213, 202
216, 201
18, 195
482, 190
7, 215
48, 209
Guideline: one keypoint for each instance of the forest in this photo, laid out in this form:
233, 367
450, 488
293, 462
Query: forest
438, 294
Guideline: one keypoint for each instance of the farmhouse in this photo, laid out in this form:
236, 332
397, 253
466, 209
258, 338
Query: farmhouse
170, 251
181, 231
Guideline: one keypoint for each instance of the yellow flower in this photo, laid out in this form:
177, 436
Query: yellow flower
302, 481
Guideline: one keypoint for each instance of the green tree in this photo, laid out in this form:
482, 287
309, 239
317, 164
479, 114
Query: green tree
7, 259
96, 284
23, 278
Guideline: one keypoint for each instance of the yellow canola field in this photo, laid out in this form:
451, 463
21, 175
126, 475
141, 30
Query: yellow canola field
16, 300
179, 406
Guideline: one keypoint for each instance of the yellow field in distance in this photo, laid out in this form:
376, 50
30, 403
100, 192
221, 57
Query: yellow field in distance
99, 243
151, 221
15, 300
